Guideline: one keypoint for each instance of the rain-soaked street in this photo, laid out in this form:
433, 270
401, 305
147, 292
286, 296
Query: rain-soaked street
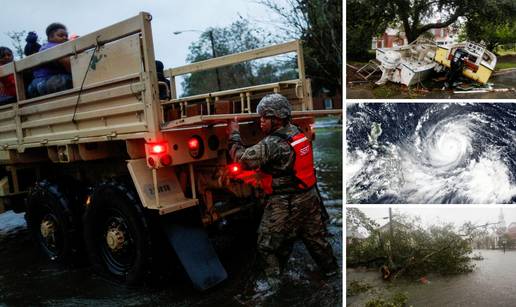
28, 279
492, 283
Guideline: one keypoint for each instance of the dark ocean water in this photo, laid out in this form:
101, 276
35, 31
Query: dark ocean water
431, 153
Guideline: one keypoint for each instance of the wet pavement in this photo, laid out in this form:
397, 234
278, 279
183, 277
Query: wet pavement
504, 82
492, 283
28, 279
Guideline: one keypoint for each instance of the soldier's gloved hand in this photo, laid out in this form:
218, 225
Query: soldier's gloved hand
233, 126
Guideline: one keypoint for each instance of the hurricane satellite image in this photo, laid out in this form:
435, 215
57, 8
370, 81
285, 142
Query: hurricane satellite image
431, 153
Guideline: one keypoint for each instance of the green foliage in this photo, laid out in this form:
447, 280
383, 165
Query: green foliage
319, 24
488, 20
493, 29
399, 299
412, 251
364, 19
494, 24
238, 37
356, 219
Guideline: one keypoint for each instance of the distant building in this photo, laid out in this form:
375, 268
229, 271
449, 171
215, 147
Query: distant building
506, 235
445, 36
392, 37
326, 101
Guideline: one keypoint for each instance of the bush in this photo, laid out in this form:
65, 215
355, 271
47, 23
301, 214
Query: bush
397, 300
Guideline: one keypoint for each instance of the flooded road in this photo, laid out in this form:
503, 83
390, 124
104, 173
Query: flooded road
27, 278
492, 283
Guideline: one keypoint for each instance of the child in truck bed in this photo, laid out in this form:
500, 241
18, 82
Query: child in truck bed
54, 76
7, 85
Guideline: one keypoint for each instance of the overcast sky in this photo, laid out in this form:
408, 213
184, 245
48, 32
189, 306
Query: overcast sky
456, 215
83, 17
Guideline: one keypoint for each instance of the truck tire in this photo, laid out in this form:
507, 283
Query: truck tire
117, 234
52, 223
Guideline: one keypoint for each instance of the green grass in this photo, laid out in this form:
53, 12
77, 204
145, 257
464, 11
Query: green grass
386, 91
505, 65
502, 52
506, 61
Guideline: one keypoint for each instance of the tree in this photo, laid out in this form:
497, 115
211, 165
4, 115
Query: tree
416, 17
412, 250
362, 23
319, 24
17, 37
356, 219
239, 36
495, 24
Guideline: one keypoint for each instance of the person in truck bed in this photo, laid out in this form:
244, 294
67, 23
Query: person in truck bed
54, 76
32, 45
292, 209
7, 85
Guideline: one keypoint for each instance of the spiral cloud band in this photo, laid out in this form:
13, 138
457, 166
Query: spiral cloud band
431, 153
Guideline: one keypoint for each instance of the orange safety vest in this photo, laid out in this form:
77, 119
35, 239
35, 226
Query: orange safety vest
304, 163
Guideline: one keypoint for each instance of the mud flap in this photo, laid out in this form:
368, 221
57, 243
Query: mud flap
196, 254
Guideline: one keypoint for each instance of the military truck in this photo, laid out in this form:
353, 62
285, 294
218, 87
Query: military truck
106, 167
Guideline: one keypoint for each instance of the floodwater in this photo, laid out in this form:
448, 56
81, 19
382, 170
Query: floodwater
492, 283
27, 278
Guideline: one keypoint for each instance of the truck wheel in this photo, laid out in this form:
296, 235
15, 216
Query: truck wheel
52, 223
117, 235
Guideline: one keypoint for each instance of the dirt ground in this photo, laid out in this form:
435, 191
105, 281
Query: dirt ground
357, 88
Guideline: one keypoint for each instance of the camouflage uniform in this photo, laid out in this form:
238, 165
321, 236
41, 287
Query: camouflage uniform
290, 213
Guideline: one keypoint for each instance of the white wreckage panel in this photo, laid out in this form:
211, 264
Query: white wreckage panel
408, 64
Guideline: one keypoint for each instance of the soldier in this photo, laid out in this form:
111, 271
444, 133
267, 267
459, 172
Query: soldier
293, 210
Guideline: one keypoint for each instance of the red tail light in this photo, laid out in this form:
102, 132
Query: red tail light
193, 144
157, 155
157, 149
235, 168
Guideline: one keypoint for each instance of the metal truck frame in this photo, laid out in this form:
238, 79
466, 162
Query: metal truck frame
102, 167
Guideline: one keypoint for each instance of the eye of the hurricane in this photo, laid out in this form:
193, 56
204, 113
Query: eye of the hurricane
449, 147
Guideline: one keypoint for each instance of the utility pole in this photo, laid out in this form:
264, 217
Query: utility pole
214, 56
390, 224
213, 52
391, 262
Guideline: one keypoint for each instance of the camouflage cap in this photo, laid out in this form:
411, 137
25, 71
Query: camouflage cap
274, 105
